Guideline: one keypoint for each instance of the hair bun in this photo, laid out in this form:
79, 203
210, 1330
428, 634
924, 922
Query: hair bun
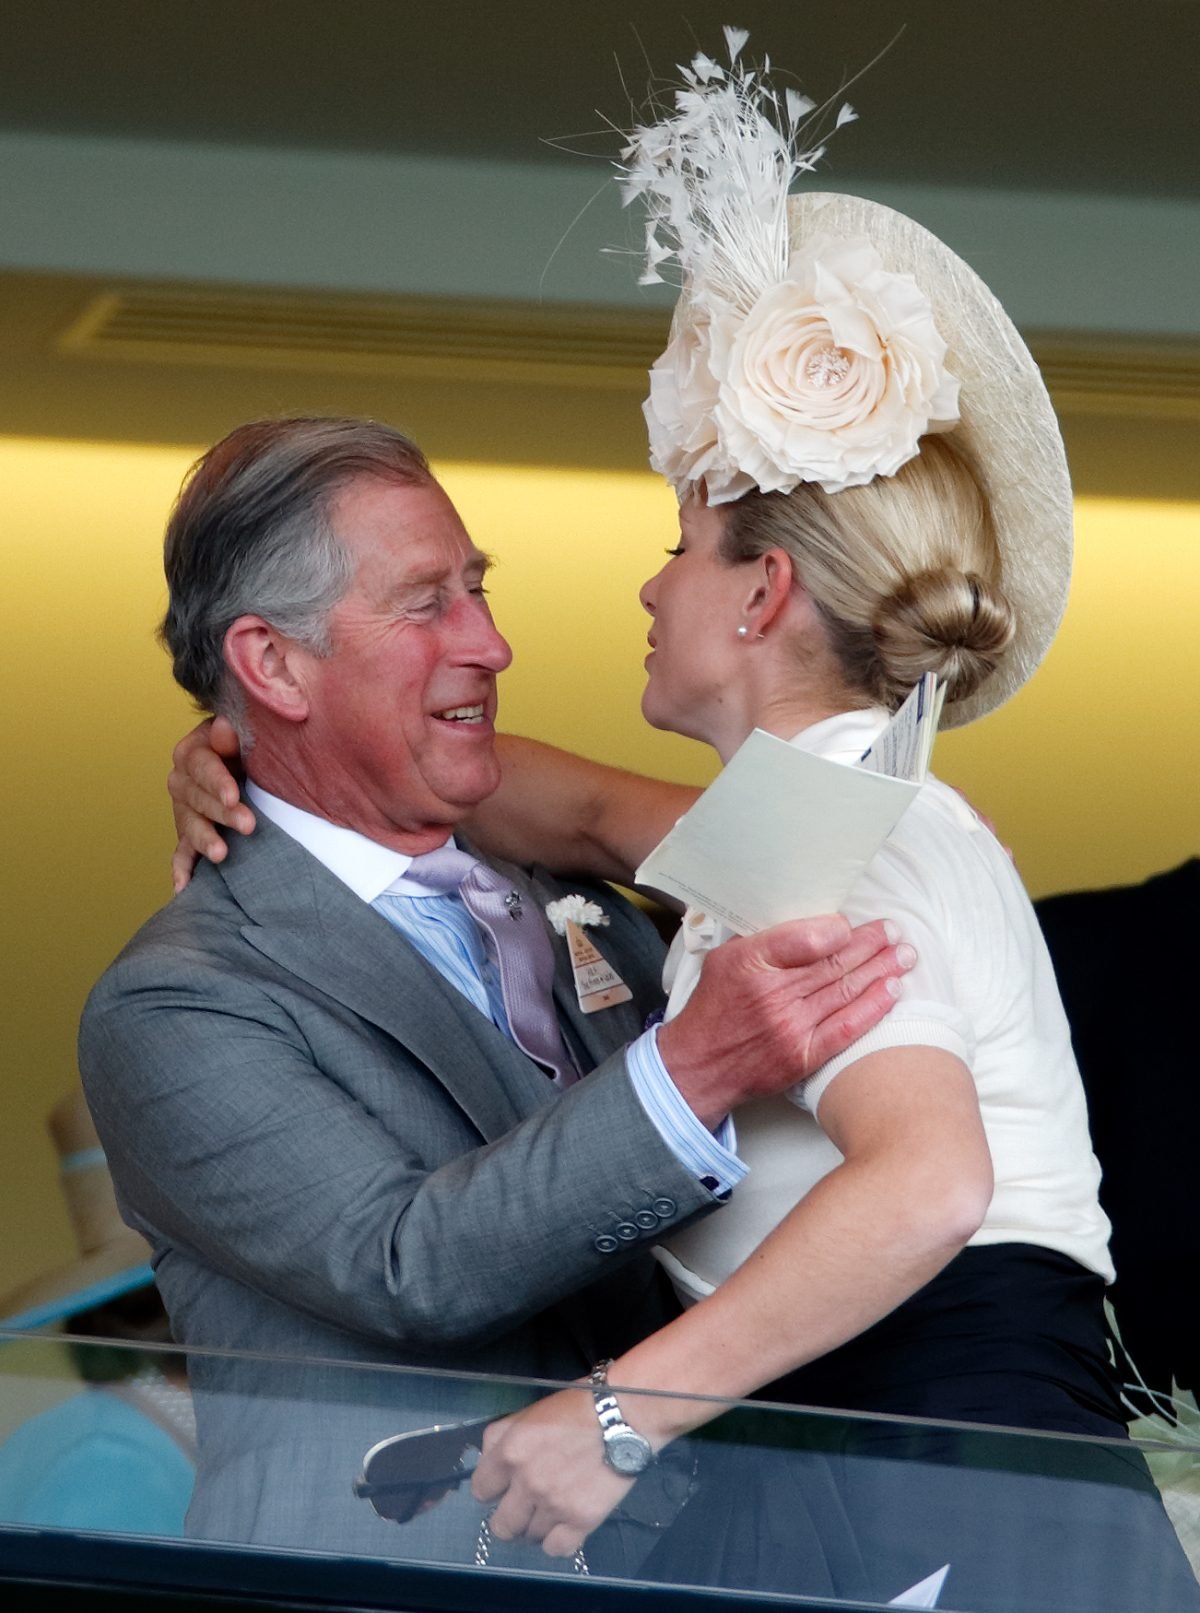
953, 623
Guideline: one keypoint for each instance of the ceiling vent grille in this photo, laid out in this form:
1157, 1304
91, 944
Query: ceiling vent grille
429, 338
1108, 375
450, 340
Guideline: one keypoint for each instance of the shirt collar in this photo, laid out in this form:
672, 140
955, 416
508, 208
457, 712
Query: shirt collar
843, 738
368, 868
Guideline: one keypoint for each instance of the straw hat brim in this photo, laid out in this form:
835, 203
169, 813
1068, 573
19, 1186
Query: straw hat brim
1008, 430
122, 1266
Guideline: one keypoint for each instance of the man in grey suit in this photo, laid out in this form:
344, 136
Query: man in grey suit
337, 1152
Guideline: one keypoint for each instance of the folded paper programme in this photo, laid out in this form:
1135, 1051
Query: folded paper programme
783, 834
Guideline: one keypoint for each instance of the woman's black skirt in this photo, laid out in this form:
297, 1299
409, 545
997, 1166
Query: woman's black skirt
1010, 1336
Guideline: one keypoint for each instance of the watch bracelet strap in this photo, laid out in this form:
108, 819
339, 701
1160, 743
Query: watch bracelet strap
608, 1407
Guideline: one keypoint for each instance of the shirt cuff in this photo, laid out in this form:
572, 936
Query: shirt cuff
710, 1158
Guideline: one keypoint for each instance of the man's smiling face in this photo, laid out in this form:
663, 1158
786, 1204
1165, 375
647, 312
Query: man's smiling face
402, 712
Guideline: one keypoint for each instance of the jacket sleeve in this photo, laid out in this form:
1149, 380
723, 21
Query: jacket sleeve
231, 1137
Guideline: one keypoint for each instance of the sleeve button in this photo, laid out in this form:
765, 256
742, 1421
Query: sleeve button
647, 1220
664, 1208
606, 1243
626, 1231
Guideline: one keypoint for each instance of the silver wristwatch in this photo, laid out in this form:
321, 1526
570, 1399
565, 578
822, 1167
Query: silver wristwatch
625, 1450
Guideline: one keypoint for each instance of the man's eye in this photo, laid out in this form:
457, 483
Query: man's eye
479, 590
677, 550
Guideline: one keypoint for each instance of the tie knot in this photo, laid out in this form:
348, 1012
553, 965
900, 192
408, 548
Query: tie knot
447, 870
441, 871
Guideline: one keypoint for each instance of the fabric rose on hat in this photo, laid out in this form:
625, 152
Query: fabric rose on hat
832, 376
680, 409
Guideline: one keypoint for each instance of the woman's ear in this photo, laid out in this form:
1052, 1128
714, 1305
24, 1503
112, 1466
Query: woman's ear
266, 663
774, 580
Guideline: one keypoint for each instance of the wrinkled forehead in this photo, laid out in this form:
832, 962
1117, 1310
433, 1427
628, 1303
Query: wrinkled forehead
400, 534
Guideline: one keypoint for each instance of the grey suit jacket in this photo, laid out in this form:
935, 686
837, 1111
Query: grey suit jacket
336, 1158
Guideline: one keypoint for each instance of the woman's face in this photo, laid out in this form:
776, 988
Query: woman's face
697, 603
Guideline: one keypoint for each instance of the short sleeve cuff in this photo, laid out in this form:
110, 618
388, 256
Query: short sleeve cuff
711, 1159
911, 1025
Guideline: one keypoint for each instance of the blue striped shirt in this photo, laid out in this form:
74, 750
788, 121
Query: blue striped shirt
448, 938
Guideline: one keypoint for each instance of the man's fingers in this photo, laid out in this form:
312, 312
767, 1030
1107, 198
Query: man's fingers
797, 942
770, 1009
846, 1022
822, 951
866, 941
843, 990
845, 986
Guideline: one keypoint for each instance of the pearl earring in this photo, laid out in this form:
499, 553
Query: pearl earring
743, 631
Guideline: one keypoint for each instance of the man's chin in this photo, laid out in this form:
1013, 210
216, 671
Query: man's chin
464, 793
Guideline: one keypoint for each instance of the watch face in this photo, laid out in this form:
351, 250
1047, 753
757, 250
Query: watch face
627, 1452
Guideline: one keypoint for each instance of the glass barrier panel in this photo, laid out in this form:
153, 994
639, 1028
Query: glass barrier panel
236, 1475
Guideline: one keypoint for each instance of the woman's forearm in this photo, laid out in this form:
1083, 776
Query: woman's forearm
915, 1183
573, 815
907, 1198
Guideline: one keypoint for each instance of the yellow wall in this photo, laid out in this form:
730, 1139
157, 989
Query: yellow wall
1089, 773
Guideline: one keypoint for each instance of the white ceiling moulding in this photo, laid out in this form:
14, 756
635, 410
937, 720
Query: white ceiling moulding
454, 339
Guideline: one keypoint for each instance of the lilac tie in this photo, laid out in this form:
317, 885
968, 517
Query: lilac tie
520, 946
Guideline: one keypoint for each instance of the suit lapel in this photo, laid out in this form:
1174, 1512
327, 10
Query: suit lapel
305, 920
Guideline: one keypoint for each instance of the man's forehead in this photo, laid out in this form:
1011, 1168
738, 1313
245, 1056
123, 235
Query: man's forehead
429, 558
406, 528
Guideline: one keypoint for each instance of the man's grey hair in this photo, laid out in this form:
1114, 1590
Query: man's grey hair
251, 534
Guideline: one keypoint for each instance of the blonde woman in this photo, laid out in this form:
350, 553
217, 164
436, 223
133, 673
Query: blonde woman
918, 1231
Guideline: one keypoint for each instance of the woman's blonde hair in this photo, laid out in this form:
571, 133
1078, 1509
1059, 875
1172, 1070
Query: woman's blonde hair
905, 571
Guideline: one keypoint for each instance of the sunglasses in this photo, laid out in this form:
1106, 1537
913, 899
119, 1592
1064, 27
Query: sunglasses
409, 1473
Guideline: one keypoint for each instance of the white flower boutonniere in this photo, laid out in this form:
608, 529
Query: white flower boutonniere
597, 983
575, 910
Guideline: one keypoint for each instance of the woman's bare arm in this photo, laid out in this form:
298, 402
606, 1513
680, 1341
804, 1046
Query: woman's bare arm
914, 1186
573, 815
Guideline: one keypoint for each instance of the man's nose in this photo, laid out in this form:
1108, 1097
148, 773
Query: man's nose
499, 651
483, 644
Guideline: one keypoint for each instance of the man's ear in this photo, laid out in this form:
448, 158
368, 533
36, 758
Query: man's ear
268, 666
774, 577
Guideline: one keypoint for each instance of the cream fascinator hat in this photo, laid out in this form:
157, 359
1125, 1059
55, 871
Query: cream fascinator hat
113, 1259
819, 337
